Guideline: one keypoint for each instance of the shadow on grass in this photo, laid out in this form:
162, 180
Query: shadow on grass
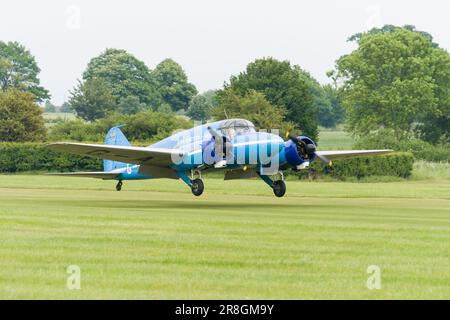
175, 204
188, 205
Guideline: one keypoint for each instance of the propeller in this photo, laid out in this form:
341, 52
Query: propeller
307, 150
220, 143
324, 159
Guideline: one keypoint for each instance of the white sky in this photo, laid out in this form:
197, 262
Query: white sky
211, 39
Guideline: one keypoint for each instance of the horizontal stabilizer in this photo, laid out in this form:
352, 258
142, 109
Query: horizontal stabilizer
98, 175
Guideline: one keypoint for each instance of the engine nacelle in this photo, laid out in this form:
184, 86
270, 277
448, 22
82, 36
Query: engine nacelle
298, 156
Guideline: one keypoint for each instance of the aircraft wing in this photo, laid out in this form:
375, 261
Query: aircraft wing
98, 175
127, 154
349, 154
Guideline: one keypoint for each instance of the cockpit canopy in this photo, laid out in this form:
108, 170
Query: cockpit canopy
235, 127
193, 138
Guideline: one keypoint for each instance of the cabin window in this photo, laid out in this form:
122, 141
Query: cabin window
233, 128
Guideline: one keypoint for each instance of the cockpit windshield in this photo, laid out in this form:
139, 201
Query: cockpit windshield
233, 128
193, 138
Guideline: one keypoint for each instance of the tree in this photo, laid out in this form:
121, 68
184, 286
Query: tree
20, 117
125, 75
201, 106
331, 112
397, 80
92, 99
19, 70
254, 107
211, 97
390, 28
49, 107
65, 107
283, 85
130, 105
173, 85
164, 108
199, 109
326, 102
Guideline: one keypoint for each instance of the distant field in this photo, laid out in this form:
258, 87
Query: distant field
50, 117
334, 140
155, 240
60, 115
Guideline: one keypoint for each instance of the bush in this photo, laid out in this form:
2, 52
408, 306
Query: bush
21, 157
76, 130
396, 164
420, 149
20, 117
145, 126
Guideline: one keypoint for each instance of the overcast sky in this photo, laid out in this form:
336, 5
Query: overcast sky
210, 39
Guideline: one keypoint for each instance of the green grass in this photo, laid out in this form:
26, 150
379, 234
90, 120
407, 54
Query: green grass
50, 118
59, 115
154, 240
430, 170
334, 140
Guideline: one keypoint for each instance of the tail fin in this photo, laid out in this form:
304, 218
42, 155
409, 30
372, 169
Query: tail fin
115, 136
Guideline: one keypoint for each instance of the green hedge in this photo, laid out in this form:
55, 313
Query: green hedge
422, 150
20, 157
396, 164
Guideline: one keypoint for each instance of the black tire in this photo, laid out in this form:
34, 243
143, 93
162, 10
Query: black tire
279, 188
197, 187
119, 186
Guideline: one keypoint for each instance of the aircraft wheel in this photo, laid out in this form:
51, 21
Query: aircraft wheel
119, 185
197, 187
279, 188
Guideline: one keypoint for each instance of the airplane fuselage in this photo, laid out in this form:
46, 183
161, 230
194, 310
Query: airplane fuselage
252, 149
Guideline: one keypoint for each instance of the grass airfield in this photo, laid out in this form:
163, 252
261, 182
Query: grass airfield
154, 240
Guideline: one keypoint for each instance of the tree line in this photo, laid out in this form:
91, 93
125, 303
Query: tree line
393, 87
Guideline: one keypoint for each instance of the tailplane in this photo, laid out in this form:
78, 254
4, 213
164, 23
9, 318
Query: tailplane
116, 137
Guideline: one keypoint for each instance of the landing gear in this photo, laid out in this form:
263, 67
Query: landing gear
279, 188
196, 184
197, 187
119, 185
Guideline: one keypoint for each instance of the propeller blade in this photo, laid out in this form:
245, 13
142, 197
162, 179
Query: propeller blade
296, 140
220, 143
214, 133
323, 158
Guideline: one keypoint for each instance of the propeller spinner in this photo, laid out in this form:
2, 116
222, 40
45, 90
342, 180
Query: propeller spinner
306, 149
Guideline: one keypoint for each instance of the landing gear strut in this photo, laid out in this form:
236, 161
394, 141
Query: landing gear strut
278, 186
196, 185
119, 185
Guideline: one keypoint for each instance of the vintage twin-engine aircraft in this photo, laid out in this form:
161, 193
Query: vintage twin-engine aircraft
233, 145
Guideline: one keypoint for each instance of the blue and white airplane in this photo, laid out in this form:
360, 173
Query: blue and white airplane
233, 145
